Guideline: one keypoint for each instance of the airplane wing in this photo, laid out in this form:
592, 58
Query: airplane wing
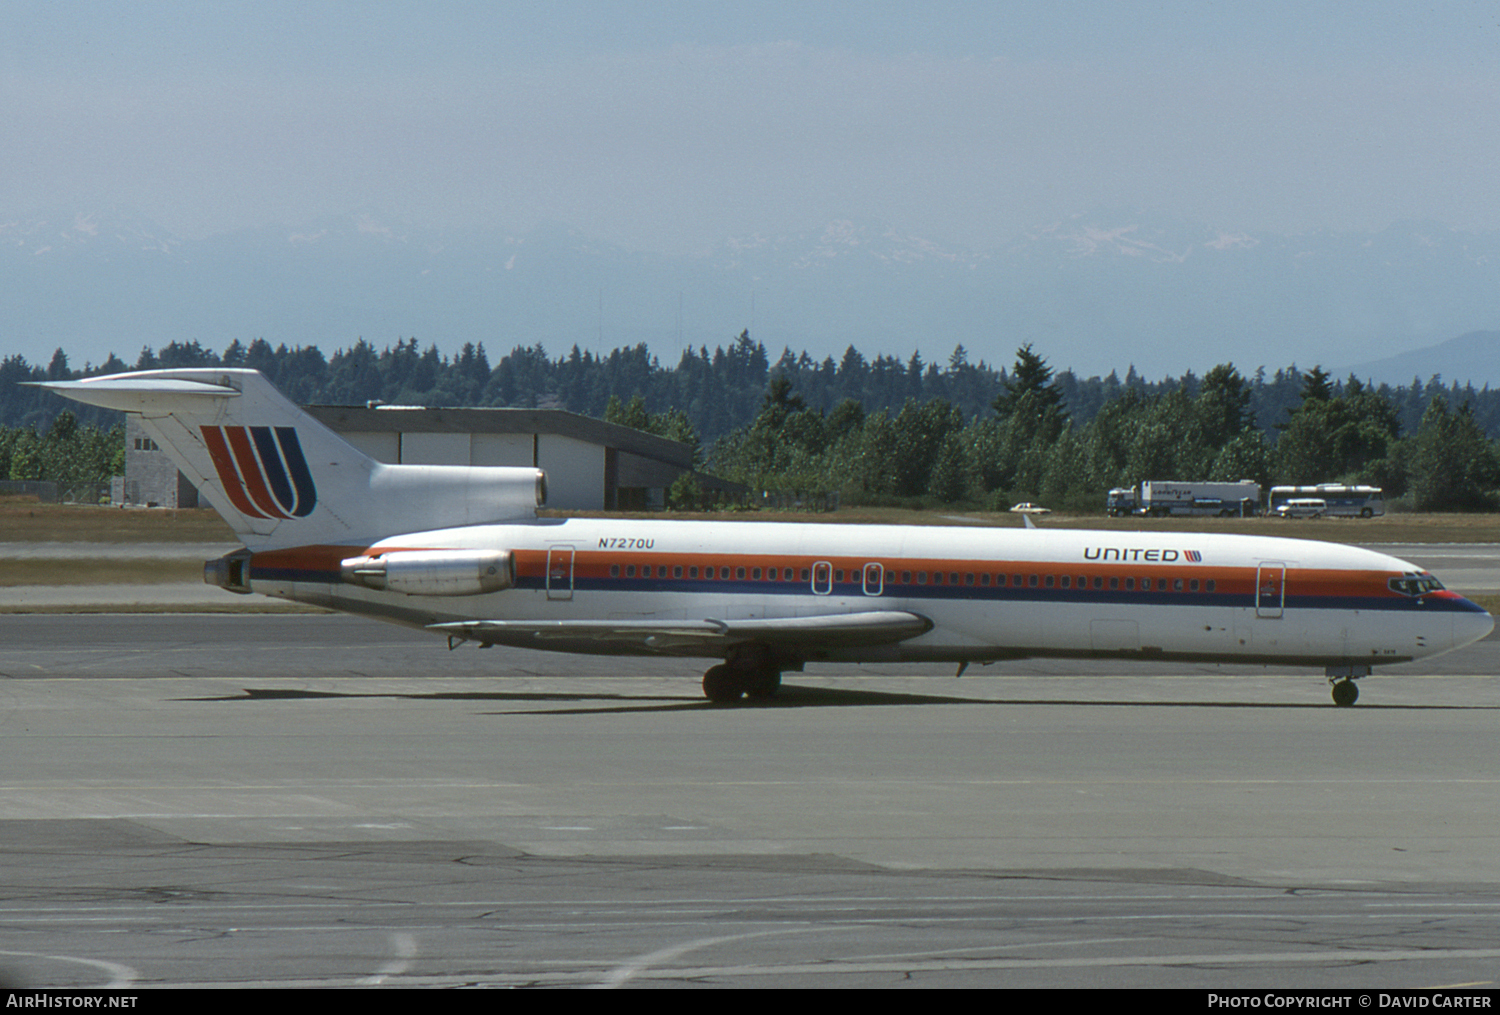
694, 637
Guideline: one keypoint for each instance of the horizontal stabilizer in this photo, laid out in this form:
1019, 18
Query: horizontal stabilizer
138, 393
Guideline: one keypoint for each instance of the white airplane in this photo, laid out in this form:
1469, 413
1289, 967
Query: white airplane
459, 551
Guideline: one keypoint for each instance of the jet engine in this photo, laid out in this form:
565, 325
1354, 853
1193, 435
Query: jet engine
433, 572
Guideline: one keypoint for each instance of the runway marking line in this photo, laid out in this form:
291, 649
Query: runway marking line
405, 948
121, 975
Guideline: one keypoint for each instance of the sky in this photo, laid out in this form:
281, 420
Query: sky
671, 127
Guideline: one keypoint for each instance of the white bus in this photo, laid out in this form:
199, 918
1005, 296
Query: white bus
1340, 501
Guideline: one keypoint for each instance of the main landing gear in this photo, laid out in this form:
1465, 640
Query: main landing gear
1342, 678
751, 672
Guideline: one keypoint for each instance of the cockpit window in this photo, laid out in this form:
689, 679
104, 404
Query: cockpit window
1415, 584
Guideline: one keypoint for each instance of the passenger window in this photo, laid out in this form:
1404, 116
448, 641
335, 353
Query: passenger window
1051, 580
614, 570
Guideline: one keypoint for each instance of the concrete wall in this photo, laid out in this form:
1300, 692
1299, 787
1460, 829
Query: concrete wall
514, 449
150, 476
489, 449
435, 449
575, 473
383, 447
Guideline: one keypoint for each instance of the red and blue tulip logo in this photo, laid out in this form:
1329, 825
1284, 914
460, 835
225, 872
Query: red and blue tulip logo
263, 470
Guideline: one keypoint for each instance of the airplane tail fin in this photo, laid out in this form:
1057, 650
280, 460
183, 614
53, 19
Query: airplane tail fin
281, 478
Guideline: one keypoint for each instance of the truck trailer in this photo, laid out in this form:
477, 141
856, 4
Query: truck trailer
1167, 498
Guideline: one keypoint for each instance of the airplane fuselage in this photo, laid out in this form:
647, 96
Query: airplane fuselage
988, 593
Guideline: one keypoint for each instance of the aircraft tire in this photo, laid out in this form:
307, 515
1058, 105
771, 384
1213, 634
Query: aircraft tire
762, 684
722, 685
1345, 693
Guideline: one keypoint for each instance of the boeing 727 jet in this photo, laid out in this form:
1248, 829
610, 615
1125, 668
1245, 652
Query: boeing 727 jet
460, 551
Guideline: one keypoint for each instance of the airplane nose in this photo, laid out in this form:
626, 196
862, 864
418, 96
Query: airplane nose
1469, 627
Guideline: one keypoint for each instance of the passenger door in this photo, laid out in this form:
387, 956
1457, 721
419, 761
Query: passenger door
560, 571
1270, 589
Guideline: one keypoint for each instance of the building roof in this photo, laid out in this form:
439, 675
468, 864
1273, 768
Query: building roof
419, 419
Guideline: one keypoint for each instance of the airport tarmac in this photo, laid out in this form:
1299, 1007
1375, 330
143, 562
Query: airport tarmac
315, 800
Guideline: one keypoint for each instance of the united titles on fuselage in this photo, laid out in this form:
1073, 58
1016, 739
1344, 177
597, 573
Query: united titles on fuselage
1135, 554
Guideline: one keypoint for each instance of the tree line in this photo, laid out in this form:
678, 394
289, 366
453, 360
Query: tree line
882, 428
718, 390
1029, 446
79, 458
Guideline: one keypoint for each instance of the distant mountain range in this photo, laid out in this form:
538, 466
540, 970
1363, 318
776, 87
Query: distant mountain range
1473, 357
1094, 293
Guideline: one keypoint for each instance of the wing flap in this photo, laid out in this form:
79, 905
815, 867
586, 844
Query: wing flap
709, 636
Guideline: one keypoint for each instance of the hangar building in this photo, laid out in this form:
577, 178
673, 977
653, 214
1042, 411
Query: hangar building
591, 465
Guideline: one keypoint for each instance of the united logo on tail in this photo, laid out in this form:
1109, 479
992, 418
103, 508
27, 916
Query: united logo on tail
262, 469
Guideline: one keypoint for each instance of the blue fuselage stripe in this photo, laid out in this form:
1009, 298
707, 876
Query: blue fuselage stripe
749, 588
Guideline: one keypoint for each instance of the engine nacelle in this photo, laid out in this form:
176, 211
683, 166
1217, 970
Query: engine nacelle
418, 498
433, 572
